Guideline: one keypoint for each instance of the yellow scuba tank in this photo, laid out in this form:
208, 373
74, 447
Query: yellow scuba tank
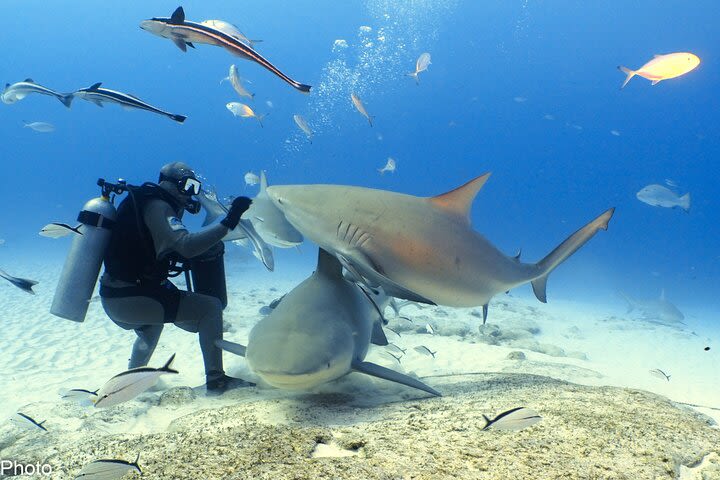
83, 262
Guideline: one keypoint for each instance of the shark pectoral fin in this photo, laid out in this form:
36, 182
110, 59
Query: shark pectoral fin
231, 347
539, 286
387, 374
378, 336
459, 201
362, 267
181, 44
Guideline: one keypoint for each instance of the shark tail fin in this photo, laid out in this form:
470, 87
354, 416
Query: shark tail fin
565, 249
66, 99
391, 375
628, 72
685, 202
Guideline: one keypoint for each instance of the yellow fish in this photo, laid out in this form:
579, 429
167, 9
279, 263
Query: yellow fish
663, 67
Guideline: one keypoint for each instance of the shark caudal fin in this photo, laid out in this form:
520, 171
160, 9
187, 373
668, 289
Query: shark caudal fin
628, 72
565, 249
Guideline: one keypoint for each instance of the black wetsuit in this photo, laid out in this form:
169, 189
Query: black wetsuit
136, 294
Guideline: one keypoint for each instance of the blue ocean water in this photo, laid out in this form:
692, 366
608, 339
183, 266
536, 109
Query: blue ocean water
528, 90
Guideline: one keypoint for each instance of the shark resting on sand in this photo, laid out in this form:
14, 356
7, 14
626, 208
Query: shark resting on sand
319, 332
416, 248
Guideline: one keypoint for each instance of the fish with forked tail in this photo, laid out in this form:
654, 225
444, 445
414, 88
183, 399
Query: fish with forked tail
98, 95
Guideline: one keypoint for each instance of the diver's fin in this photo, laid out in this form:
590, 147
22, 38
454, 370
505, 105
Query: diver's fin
231, 347
565, 249
181, 44
387, 374
378, 336
364, 268
459, 201
627, 72
178, 16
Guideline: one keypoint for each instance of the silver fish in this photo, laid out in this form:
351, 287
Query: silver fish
236, 83
58, 230
17, 91
22, 283
131, 383
389, 166
361, 108
423, 350
513, 419
656, 372
108, 469
241, 110
26, 422
40, 127
303, 125
660, 196
421, 65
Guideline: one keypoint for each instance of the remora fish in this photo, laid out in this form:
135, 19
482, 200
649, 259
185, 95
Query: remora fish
98, 95
421, 65
361, 108
420, 249
26, 422
660, 196
22, 283
108, 469
184, 33
513, 419
663, 67
319, 332
245, 231
18, 91
131, 383
659, 310
58, 230
268, 221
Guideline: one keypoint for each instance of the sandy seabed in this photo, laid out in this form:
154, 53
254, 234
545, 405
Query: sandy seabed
584, 368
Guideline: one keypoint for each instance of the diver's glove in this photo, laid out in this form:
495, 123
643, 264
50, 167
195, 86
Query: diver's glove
238, 207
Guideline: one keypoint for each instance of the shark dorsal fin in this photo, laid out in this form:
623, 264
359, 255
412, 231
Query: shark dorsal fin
459, 201
263, 181
328, 264
178, 16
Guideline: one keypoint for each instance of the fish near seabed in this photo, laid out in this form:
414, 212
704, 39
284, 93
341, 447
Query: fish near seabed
660, 196
663, 67
658, 310
416, 248
212, 32
320, 331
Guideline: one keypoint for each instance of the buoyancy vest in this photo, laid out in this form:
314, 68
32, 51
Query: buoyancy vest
131, 254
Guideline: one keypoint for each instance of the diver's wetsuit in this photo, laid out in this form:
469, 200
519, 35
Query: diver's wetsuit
135, 290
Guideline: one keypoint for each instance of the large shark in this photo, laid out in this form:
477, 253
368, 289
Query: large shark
269, 222
319, 332
656, 310
416, 248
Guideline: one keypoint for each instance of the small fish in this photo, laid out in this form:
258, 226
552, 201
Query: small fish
520, 99
269, 103
393, 331
390, 166
394, 348
395, 357
429, 329
241, 110
548, 117
399, 305
99, 96
236, 83
513, 419
614, 133
108, 469
26, 422
22, 283
251, 179
131, 383
303, 125
361, 108
660, 196
18, 91
40, 127
656, 372
421, 65
58, 230
663, 67
79, 396
422, 349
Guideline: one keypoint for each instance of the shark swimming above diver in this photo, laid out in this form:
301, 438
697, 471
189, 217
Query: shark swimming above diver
320, 331
416, 248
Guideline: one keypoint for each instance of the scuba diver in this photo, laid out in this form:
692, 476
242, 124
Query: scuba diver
147, 242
